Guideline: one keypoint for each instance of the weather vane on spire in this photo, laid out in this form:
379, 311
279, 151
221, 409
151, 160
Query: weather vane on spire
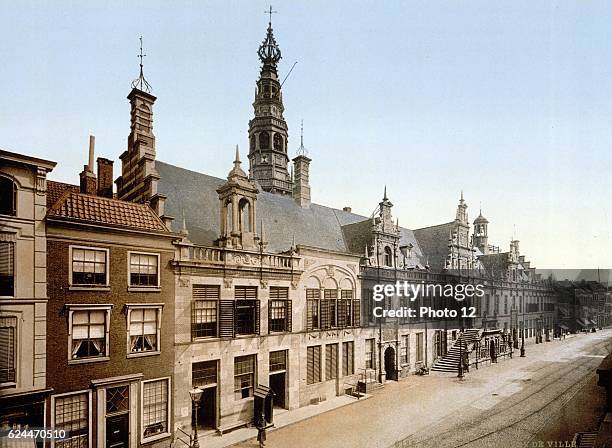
301, 151
141, 83
268, 52
270, 12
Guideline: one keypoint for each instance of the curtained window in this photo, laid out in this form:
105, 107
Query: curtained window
144, 329
89, 333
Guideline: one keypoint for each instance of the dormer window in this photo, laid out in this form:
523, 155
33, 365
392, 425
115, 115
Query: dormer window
8, 197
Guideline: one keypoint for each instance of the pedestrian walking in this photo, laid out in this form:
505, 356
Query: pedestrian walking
261, 431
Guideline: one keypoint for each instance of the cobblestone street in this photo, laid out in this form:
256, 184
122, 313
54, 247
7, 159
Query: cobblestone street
547, 395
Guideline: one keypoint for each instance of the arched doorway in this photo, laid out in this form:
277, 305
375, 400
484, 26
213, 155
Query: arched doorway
390, 370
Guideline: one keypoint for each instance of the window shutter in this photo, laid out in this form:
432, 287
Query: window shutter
269, 316
289, 316
226, 318
257, 313
246, 292
356, 313
341, 313
325, 314
317, 363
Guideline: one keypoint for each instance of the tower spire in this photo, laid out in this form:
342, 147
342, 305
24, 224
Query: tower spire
268, 131
141, 83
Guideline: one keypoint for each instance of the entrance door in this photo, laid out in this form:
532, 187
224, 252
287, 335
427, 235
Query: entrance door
117, 431
390, 369
277, 384
207, 411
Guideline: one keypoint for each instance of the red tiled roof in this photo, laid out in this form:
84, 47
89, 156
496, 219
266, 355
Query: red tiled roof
56, 189
75, 206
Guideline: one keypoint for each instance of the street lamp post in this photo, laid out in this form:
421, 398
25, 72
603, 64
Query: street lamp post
196, 395
523, 343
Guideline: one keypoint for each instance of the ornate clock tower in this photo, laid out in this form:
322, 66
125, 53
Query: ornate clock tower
268, 130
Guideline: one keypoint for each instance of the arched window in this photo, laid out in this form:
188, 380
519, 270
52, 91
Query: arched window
245, 215
264, 140
388, 256
278, 142
8, 197
252, 143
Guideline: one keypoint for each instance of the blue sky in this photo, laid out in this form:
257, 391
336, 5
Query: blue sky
509, 101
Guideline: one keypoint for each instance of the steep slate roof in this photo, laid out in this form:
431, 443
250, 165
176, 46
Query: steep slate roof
74, 206
434, 242
194, 196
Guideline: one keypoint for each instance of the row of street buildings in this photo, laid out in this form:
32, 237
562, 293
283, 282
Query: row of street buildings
120, 295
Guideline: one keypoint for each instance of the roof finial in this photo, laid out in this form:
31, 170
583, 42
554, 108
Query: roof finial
385, 198
301, 151
141, 83
237, 159
270, 12
269, 53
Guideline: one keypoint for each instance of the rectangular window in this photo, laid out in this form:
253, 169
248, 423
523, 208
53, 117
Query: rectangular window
331, 361
329, 308
8, 344
313, 297
89, 333
370, 355
278, 361
348, 358
89, 266
155, 407
203, 373
419, 347
279, 311
144, 329
313, 364
71, 413
7, 268
144, 269
246, 312
204, 311
244, 376
405, 350
345, 308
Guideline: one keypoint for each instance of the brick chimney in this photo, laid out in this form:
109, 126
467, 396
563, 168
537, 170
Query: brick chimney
89, 183
301, 185
105, 177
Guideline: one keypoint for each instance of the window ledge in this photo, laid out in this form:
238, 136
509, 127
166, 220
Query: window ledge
7, 297
88, 360
144, 289
155, 437
205, 339
104, 288
143, 354
9, 385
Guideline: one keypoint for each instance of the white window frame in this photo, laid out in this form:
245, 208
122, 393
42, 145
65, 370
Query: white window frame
139, 288
89, 287
89, 412
129, 308
144, 439
85, 307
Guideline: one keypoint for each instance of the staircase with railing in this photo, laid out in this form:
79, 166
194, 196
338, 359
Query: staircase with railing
464, 344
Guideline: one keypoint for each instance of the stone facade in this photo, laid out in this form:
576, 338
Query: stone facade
23, 298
